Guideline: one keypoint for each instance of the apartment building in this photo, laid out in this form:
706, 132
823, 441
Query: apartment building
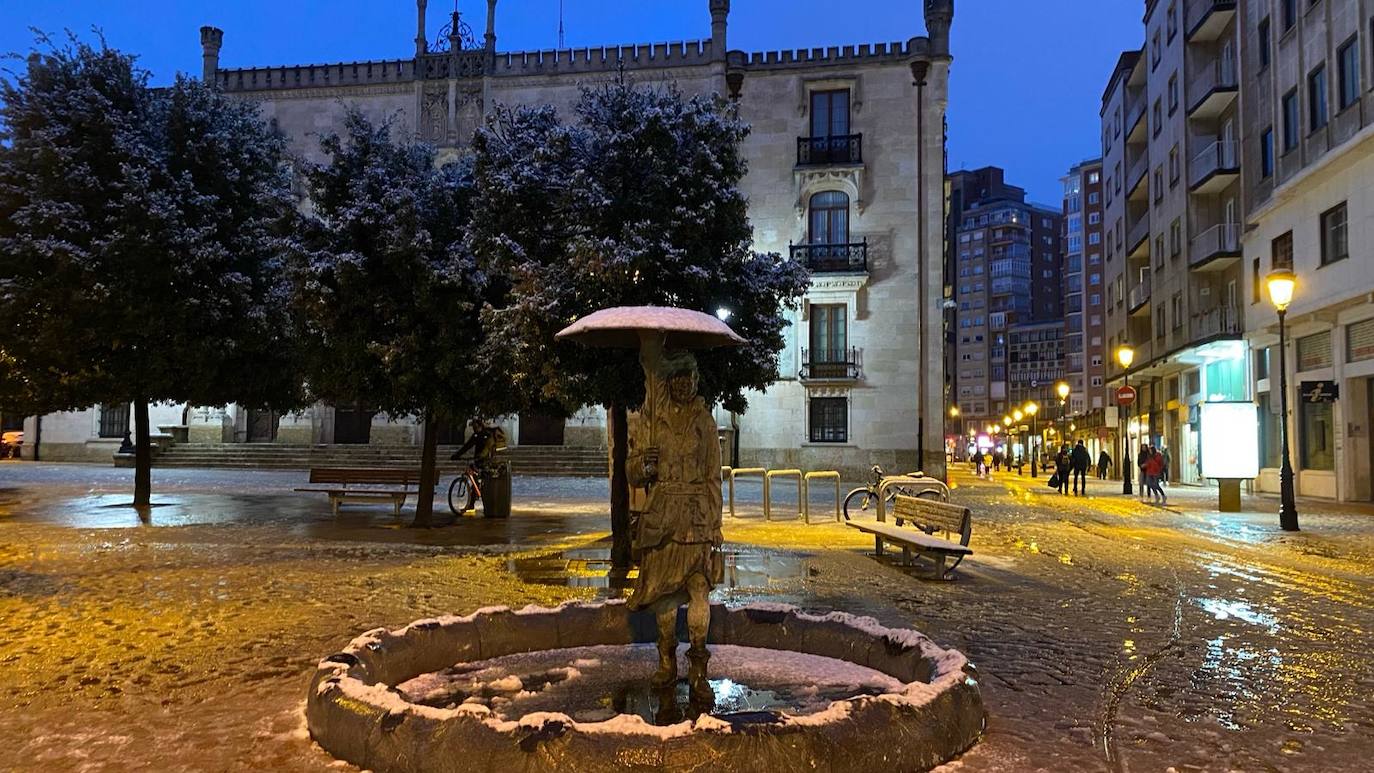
1008, 274
1171, 159
1308, 141
1085, 304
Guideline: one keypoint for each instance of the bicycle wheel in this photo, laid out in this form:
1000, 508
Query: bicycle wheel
460, 495
856, 501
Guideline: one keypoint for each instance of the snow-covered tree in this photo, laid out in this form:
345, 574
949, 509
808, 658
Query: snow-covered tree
387, 298
140, 235
637, 202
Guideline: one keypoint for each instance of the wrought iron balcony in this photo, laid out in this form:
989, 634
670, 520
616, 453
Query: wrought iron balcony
831, 365
850, 257
839, 149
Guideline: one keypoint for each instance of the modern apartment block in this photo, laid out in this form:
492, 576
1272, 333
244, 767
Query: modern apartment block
1084, 286
1171, 157
1008, 275
1308, 142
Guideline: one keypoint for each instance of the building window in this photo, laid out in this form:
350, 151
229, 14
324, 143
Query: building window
1348, 60
829, 420
1159, 251
1290, 14
1264, 43
1176, 237
1173, 21
1157, 113
1316, 431
114, 420
1314, 351
1290, 120
1255, 281
1335, 244
830, 113
1316, 98
1281, 252
1267, 153
1173, 166
1173, 93
1159, 184
1359, 341
829, 218
829, 334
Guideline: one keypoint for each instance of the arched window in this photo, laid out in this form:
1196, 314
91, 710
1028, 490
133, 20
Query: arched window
829, 218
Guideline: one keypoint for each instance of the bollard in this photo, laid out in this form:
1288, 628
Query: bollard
806, 492
767, 490
738, 471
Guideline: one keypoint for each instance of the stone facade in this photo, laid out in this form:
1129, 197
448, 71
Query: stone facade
863, 398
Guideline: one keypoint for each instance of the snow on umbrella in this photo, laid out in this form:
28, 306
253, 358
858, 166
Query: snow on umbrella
624, 327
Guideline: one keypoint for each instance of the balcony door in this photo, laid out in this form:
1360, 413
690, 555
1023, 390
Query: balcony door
829, 218
829, 339
830, 113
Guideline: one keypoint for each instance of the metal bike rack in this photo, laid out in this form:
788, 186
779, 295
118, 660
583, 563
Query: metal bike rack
768, 487
806, 492
909, 483
738, 471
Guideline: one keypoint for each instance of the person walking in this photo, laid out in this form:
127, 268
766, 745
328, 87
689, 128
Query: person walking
996, 460
1080, 461
1140, 460
1154, 467
1104, 462
1164, 474
1062, 465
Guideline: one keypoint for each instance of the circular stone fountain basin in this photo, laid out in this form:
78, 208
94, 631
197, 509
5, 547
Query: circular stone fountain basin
566, 689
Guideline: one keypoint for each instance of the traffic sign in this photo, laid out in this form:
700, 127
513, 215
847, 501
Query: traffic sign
1125, 395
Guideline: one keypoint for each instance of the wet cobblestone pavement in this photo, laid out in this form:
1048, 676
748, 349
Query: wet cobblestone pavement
1109, 634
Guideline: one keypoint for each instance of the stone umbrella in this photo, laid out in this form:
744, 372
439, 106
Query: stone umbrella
628, 327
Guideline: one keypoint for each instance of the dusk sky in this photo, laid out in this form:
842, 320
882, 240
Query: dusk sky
1026, 85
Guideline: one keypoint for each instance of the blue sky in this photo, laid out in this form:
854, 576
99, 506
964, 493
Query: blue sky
1026, 86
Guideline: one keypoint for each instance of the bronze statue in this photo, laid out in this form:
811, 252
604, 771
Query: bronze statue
675, 453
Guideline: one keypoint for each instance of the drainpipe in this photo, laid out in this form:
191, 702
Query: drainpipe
919, 69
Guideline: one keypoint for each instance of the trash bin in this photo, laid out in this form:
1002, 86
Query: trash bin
496, 491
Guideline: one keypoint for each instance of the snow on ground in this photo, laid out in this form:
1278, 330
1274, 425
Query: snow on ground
1108, 634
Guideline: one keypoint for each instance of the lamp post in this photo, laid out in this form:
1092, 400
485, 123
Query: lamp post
1126, 355
1281, 285
1016, 417
1032, 408
1062, 389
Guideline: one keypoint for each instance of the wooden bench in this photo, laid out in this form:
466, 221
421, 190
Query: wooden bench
365, 484
928, 516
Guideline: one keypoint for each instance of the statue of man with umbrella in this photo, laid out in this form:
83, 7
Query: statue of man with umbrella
675, 453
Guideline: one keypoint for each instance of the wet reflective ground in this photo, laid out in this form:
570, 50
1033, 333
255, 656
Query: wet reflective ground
1109, 635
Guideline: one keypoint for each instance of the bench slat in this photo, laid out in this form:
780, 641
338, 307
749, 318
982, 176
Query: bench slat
913, 538
934, 516
347, 475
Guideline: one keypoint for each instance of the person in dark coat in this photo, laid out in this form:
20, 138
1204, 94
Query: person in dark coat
1080, 461
1062, 464
1104, 462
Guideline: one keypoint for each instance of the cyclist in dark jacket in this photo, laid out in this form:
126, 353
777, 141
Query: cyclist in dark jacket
482, 441
1080, 460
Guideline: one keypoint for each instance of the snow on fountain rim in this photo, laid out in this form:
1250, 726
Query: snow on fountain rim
948, 670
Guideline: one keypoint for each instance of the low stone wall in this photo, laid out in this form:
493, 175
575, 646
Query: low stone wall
354, 712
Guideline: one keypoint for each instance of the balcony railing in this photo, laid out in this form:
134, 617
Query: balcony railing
1140, 293
1213, 88
1219, 241
1139, 232
1218, 158
839, 149
1207, 19
1134, 115
1221, 321
1137, 172
848, 257
832, 364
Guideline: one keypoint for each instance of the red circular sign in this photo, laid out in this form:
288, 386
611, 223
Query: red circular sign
1125, 395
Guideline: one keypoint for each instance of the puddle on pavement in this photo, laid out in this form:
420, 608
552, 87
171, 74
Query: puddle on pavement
593, 684
590, 567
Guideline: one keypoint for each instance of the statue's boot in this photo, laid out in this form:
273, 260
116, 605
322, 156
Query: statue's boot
702, 694
666, 674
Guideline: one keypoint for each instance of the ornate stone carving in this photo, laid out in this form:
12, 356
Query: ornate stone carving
809, 180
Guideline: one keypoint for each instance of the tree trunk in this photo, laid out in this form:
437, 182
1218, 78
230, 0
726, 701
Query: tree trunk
620, 488
424, 506
143, 456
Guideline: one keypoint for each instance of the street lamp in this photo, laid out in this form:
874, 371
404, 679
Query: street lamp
1062, 389
1032, 408
1126, 355
1281, 285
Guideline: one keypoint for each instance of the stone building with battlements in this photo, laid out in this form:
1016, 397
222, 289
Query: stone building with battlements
846, 170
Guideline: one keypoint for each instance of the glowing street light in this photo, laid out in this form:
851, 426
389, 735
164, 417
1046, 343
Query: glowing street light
1126, 355
1281, 284
1033, 408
